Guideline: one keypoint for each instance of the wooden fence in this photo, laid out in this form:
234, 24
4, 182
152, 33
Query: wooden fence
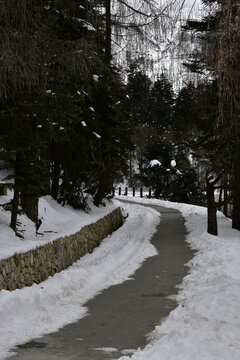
141, 192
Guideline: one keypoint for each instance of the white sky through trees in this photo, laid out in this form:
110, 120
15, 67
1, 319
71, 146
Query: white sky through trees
152, 36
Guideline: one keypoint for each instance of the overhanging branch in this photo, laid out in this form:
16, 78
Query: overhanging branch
133, 9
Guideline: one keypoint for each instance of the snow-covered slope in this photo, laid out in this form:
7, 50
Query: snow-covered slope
204, 326
57, 221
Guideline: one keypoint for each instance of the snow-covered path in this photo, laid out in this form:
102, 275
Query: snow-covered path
60, 300
204, 326
206, 323
121, 316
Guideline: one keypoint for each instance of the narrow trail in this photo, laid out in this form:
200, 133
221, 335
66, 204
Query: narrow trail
120, 316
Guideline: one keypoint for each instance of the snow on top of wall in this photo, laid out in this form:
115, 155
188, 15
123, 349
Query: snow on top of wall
57, 221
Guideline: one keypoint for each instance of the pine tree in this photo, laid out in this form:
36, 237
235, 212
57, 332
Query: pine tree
161, 102
58, 101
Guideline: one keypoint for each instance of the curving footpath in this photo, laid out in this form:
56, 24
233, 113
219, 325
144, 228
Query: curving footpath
122, 315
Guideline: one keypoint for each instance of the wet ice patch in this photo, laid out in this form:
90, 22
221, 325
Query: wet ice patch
128, 351
107, 349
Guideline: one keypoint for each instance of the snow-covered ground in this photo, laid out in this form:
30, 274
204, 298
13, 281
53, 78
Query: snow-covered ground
206, 323
57, 221
41, 309
204, 326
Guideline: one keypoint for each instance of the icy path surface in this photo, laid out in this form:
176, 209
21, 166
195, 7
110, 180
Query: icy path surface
121, 316
41, 309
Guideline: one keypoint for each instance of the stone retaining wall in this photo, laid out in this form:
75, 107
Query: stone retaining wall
37, 265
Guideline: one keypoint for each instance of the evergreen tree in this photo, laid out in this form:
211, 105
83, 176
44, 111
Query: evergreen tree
218, 38
60, 103
161, 102
166, 167
138, 92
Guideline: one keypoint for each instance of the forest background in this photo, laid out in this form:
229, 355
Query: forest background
73, 123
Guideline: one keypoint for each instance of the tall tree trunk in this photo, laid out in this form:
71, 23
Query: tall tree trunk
108, 35
106, 180
45, 156
16, 193
55, 180
212, 209
131, 170
30, 207
157, 192
225, 196
220, 195
99, 195
29, 186
236, 190
15, 204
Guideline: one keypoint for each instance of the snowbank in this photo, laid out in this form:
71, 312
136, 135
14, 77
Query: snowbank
206, 323
41, 309
57, 221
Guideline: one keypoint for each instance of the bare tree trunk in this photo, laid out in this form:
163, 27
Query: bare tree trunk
212, 209
157, 192
225, 208
99, 195
131, 170
220, 195
16, 194
15, 204
45, 156
108, 39
30, 207
106, 180
236, 190
55, 180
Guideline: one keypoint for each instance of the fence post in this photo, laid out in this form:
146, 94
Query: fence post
141, 192
150, 193
126, 191
133, 191
119, 191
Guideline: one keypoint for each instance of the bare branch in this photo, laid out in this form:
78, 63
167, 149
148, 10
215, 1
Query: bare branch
132, 8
